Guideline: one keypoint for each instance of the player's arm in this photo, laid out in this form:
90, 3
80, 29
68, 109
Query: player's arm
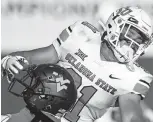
48, 54
16, 61
38, 56
51, 53
130, 108
26, 116
23, 116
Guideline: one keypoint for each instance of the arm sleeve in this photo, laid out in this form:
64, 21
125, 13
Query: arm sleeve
64, 35
143, 85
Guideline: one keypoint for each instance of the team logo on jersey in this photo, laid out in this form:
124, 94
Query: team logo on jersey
113, 77
81, 54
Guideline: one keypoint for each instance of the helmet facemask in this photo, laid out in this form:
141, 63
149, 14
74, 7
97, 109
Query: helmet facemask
130, 47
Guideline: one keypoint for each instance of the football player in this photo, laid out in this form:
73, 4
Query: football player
103, 65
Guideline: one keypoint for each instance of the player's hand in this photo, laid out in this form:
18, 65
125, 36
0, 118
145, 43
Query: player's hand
12, 65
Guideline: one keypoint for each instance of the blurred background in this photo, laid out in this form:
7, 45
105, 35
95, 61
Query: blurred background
29, 24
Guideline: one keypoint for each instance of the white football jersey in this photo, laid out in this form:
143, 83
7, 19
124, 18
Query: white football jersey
99, 83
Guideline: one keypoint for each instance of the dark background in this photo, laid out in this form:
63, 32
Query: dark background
12, 104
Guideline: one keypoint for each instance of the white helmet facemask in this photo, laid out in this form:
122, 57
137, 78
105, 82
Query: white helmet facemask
129, 33
131, 41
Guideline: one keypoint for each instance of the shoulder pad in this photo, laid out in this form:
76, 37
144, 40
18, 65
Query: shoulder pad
144, 75
85, 31
90, 26
80, 30
85, 24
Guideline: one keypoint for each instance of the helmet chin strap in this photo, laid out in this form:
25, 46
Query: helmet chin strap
129, 65
126, 52
116, 55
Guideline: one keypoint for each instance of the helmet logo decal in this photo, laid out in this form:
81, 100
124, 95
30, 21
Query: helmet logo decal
61, 82
124, 11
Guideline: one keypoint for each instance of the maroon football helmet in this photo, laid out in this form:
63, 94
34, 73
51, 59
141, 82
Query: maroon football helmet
46, 87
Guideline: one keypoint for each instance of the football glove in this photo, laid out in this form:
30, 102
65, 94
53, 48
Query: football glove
11, 65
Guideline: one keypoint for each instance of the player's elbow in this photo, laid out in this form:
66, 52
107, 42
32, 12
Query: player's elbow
130, 108
130, 97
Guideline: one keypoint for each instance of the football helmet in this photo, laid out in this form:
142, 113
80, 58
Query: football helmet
129, 33
46, 87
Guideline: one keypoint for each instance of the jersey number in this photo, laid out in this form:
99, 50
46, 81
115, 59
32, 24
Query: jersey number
87, 92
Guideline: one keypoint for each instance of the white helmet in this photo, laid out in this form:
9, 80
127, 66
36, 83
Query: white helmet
119, 27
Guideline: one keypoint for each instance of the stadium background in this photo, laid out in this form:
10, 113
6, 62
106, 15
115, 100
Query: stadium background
29, 24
